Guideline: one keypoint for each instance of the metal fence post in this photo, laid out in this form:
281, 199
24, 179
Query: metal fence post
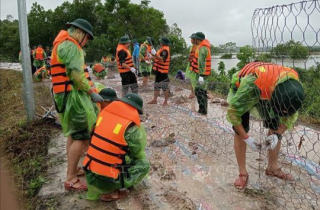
26, 62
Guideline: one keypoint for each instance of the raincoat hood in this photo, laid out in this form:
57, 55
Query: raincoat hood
62, 36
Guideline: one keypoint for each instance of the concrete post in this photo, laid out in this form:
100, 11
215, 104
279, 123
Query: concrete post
26, 61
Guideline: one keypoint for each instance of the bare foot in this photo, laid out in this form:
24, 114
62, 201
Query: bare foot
165, 103
152, 102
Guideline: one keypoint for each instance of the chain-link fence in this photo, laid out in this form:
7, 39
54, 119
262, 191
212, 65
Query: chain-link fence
288, 35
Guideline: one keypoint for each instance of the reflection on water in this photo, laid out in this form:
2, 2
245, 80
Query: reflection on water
230, 63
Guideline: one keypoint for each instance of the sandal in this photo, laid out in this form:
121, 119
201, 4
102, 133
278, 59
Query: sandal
116, 195
80, 171
70, 186
240, 183
280, 174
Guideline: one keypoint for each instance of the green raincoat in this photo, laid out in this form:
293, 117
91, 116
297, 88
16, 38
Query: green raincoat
79, 116
247, 98
38, 75
99, 86
136, 157
144, 67
100, 75
39, 63
194, 77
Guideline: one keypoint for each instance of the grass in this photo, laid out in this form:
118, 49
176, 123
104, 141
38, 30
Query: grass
25, 144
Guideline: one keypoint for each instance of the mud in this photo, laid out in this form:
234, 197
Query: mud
196, 168
164, 142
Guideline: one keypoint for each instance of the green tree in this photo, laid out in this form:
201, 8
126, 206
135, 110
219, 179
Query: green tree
291, 49
9, 40
246, 55
298, 51
178, 49
231, 72
266, 57
214, 50
221, 68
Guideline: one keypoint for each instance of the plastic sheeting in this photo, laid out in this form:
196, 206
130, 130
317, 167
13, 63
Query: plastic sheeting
79, 115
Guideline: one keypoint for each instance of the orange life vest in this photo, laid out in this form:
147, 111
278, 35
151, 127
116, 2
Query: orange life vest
39, 70
60, 81
39, 54
148, 50
192, 52
128, 60
195, 61
105, 60
268, 75
108, 147
98, 67
162, 67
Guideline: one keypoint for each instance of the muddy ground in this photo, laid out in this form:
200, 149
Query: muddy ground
193, 165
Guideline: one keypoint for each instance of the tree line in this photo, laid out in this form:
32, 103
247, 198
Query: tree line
110, 20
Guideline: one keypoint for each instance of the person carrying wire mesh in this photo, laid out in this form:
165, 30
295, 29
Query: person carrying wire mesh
275, 93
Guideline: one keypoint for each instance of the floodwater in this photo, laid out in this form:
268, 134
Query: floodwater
230, 63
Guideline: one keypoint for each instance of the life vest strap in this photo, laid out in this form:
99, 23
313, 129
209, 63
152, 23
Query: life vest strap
58, 65
122, 147
104, 163
59, 74
107, 152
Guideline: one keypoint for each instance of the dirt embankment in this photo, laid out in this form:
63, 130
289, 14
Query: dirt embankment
24, 145
192, 162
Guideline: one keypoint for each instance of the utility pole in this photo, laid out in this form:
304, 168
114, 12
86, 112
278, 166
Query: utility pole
26, 62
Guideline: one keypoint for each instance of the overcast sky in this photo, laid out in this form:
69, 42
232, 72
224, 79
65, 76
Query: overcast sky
221, 21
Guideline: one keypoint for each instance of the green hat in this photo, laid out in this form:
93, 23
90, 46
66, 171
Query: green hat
199, 35
151, 40
124, 40
165, 41
192, 36
134, 100
108, 94
83, 25
287, 98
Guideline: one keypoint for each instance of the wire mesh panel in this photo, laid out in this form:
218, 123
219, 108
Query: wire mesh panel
192, 159
289, 35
